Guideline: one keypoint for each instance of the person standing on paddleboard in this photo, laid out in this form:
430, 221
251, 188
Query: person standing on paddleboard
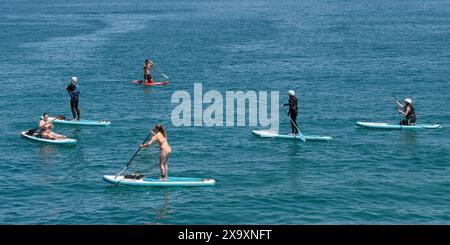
147, 67
74, 91
45, 127
161, 137
293, 110
408, 111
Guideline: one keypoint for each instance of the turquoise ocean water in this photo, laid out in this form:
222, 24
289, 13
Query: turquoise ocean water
345, 60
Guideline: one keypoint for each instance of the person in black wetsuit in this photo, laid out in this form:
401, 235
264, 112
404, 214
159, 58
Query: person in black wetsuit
293, 110
408, 111
74, 91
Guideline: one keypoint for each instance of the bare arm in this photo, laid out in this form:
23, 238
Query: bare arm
406, 112
43, 124
398, 104
154, 138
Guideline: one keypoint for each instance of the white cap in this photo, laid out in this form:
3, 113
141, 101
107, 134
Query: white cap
408, 100
291, 93
75, 79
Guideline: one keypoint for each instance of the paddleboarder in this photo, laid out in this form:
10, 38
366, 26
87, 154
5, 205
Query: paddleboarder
160, 136
74, 91
293, 110
148, 64
45, 129
408, 111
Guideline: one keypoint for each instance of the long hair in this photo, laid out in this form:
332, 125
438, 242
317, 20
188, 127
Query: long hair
160, 129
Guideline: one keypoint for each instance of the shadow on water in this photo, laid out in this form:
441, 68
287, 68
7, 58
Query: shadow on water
76, 133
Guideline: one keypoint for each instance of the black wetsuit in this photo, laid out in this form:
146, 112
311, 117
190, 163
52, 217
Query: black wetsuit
293, 110
74, 92
410, 117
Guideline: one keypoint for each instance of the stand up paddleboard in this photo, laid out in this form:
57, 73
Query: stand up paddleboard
81, 122
396, 126
34, 137
272, 134
149, 84
148, 181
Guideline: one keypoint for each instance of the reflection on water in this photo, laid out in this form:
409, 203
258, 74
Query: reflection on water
46, 150
75, 133
294, 147
148, 90
409, 137
162, 214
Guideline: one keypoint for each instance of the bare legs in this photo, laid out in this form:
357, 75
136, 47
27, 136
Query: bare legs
53, 136
163, 157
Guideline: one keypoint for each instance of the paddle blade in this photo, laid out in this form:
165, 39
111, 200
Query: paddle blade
300, 136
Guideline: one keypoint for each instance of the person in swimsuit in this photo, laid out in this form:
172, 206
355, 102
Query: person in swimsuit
160, 136
147, 67
408, 111
46, 127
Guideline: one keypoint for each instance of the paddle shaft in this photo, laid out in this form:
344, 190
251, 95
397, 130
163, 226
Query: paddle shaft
126, 166
157, 71
295, 125
396, 100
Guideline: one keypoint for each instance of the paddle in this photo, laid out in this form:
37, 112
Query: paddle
126, 166
398, 107
299, 134
157, 70
31, 131
165, 76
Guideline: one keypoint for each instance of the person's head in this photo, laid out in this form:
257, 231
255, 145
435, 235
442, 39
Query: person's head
74, 79
408, 101
291, 93
45, 116
160, 129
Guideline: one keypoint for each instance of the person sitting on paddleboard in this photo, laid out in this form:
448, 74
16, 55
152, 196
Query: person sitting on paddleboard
147, 67
293, 109
161, 137
74, 91
45, 127
408, 111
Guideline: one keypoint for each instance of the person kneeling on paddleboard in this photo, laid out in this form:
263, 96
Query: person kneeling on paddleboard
74, 91
293, 110
161, 137
45, 129
408, 111
147, 67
